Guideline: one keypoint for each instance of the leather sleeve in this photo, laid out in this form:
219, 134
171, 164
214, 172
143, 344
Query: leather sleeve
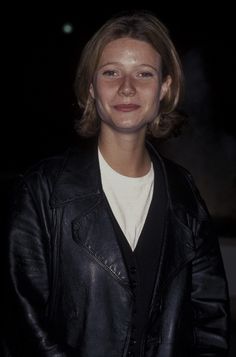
210, 298
28, 289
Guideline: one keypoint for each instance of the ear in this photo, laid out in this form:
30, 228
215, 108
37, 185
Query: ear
165, 86
91, 91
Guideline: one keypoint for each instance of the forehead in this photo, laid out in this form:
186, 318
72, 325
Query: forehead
129, 48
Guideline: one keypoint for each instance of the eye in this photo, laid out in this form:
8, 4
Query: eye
110, 73
145, 74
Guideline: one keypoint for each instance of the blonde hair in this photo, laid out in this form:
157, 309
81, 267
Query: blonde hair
142, 26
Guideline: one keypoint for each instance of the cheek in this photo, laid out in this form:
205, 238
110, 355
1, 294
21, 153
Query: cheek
103, 92
152, 96
153, 101
103, 98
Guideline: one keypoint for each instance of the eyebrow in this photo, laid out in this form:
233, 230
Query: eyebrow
118, 63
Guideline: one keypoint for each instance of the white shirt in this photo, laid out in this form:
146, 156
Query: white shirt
128, 197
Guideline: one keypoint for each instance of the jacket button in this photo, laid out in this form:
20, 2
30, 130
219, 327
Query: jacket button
133, 270
132, 341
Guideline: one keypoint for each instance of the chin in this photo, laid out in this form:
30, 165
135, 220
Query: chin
124, 127
130, 129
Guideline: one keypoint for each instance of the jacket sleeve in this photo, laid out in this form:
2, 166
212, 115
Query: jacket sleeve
210, 298
28, 277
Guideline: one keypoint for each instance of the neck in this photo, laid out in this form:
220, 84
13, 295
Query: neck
125, 153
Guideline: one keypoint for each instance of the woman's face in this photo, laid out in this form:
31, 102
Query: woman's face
127, 86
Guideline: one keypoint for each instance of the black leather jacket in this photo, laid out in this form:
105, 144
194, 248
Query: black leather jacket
70, 293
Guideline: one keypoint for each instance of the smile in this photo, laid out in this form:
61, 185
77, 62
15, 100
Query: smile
126, 107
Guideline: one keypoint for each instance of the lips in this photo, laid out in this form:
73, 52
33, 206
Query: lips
126, 107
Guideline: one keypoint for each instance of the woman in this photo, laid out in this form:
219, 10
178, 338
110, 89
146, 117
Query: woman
111, 247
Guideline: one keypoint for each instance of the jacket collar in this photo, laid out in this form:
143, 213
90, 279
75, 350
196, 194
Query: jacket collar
80, 176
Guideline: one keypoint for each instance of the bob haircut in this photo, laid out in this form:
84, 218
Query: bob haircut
144, 26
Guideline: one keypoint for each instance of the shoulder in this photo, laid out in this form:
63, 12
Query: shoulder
61, 171
43, 174
180, 182
183, 189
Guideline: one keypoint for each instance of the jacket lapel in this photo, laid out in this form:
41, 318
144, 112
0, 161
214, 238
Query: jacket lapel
177, 249
80, 181
178, 242
94, 231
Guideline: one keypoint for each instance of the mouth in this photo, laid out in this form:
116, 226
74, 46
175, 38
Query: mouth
126, 107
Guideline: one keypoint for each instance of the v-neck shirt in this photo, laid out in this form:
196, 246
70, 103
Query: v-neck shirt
128, 197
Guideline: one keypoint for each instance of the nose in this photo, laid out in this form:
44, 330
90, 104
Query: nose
127, 88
